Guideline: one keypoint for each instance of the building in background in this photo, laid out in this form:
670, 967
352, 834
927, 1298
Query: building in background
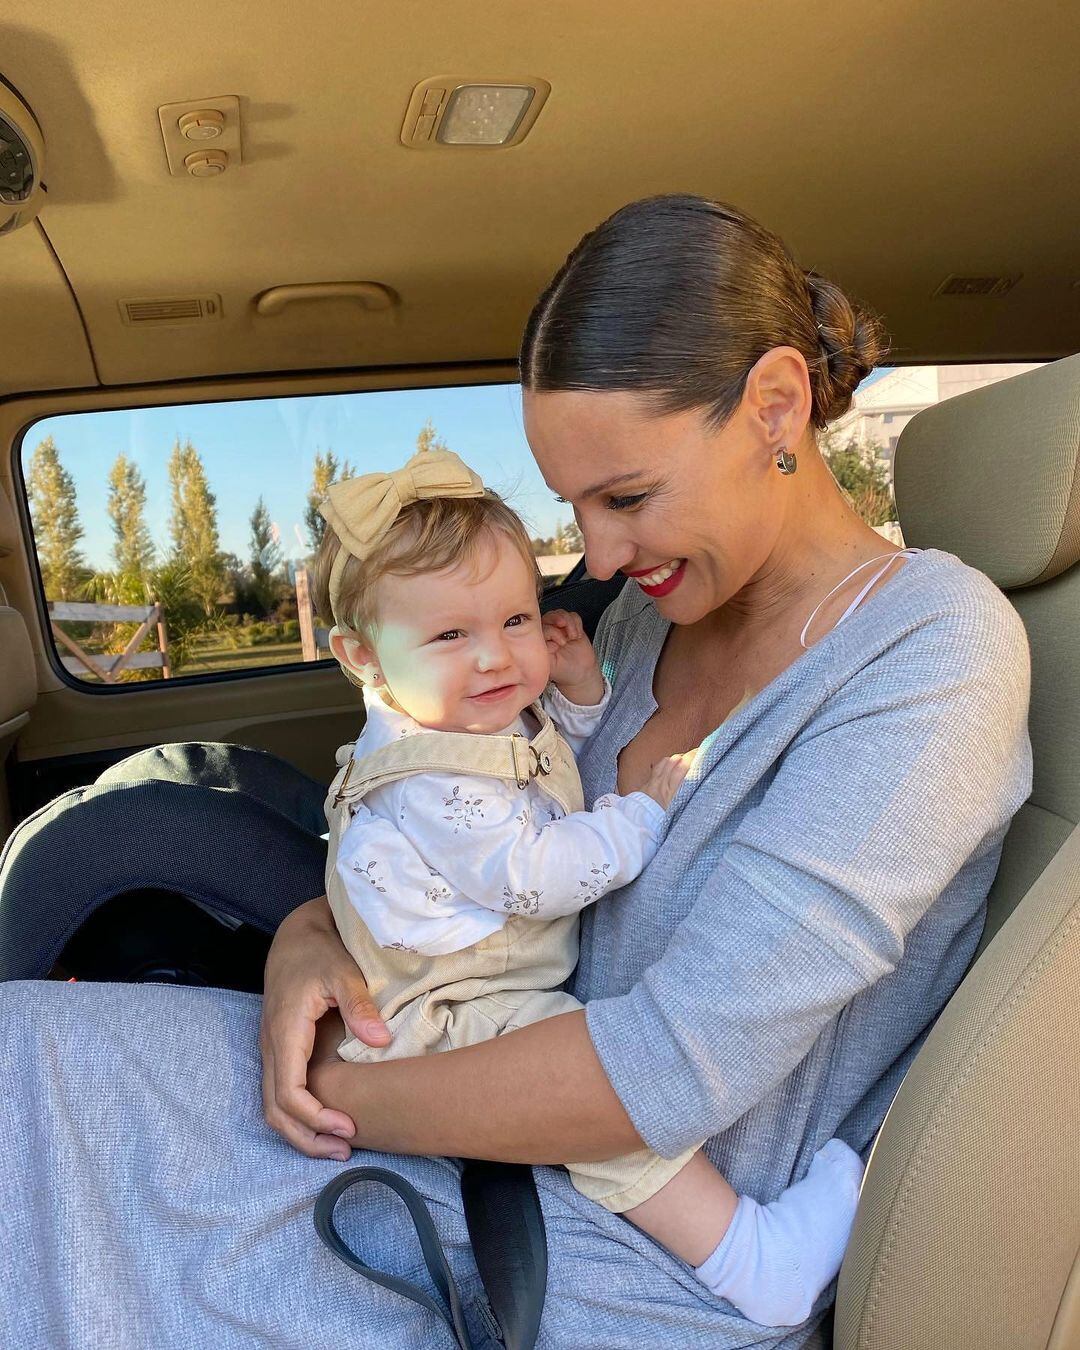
884, 407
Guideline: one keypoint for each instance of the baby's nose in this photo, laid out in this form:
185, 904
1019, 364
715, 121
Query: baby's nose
493, 654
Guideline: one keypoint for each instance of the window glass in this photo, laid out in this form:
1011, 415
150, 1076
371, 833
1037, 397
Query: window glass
861, 455
175, 541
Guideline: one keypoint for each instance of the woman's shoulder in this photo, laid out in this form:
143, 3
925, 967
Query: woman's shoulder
939, 591
939, 625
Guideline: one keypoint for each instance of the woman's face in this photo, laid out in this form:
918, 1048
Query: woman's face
691, 514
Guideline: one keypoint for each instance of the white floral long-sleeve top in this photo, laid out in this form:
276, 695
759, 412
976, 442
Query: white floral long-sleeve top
437, 862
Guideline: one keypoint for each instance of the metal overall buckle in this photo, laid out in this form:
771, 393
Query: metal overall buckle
339, 795
539, 762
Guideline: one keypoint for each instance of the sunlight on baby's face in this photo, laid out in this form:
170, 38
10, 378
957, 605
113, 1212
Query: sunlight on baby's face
462, 649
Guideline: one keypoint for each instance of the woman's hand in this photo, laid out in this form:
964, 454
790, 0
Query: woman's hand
574, 668
309, 971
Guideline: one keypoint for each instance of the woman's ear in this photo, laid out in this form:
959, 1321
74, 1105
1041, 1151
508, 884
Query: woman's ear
353, 653
777, 396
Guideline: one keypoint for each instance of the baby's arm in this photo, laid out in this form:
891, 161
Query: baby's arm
490, 848
399, 896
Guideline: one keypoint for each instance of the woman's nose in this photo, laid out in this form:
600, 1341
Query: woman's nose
606, 552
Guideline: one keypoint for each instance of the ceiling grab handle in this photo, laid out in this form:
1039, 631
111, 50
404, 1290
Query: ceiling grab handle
370, 295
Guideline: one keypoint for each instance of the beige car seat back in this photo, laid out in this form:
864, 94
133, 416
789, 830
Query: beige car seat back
969, 1223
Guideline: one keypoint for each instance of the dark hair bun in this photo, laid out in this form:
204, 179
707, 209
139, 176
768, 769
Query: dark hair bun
852, 342
676, 298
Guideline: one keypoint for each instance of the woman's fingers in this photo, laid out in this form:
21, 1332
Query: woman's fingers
359, 1013
308, 970
311, 1141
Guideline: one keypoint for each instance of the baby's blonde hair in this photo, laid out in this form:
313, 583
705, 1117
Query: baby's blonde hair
427, 536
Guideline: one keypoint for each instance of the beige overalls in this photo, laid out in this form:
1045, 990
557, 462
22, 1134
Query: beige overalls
509, 979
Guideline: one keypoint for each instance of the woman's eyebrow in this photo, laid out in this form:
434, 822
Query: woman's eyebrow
611, 482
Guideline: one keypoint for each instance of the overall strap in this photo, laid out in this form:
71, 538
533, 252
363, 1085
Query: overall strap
512, 759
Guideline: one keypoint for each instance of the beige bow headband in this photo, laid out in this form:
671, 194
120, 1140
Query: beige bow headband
361, 510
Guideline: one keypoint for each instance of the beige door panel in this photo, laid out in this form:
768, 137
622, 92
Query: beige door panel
302, 715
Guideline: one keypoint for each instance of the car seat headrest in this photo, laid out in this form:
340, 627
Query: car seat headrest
992, 476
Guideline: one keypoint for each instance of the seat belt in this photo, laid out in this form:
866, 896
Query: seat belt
506, 1228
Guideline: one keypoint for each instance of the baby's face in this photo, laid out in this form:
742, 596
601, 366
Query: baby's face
462, 649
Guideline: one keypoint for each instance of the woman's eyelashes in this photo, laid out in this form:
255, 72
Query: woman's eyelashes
626, 503
623, 503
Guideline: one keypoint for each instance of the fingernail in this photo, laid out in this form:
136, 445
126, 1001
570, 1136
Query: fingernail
377, 1030
342, 1133
340, 1157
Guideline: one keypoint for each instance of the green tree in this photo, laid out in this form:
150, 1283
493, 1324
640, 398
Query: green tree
861, 476
193, 525
265, 558
170, 583
133, 548
324, 472
57, 530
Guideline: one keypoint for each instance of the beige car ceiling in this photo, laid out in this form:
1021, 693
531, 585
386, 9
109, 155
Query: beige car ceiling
892, 144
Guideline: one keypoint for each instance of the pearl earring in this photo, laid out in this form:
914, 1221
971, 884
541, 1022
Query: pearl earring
785, 461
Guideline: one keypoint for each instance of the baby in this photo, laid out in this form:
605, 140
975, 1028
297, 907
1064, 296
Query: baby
461, 855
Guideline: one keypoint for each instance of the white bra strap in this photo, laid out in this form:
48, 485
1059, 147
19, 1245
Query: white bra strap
889, 558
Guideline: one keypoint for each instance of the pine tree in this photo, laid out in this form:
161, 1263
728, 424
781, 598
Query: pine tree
56, 522
324, 471
429, 439
133, 548
265, 557
193, 525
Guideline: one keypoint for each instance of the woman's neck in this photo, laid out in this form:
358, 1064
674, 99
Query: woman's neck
822, 540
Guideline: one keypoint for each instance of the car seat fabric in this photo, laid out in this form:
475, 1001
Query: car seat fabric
968, 1229
994, 477
233, 828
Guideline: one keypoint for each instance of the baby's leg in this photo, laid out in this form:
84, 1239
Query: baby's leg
770, 1261
690, 1214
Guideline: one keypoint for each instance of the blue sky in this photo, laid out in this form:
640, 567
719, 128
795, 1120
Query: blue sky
268, 447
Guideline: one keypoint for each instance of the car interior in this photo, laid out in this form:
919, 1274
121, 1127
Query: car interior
218, 206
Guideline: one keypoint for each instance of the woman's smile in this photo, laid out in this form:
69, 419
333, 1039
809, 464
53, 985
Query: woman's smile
659, 581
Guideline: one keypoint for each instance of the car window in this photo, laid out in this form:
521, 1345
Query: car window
175, 542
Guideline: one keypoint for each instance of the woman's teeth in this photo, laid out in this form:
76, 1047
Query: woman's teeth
661, 574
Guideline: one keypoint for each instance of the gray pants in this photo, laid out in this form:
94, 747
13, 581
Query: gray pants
144, 1201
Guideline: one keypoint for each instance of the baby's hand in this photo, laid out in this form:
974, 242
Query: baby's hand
666, 776
574, 667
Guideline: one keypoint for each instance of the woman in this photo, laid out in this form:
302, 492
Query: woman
762, 986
